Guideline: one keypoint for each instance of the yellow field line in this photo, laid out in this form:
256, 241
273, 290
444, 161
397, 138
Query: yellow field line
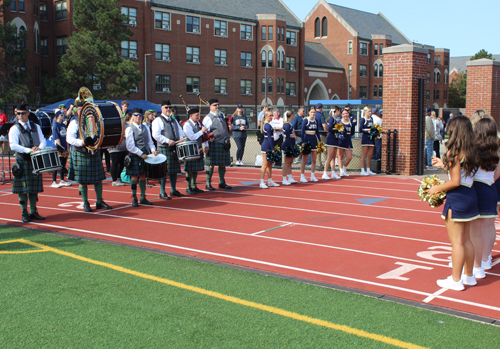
9, 241
17, 252
235, 300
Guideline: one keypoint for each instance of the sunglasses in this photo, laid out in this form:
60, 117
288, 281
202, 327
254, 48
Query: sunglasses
215, 105
168, 107
137, 114
21, 113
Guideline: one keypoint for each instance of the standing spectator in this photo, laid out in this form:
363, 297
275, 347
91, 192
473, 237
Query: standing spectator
437, 136
429, 138
59, 136
447, 121
377, 120
3, 120
261, 115
125, 105
277, 124
297, 125
240, 125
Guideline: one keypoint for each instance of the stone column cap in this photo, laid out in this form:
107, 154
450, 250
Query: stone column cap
405, 48
482, 61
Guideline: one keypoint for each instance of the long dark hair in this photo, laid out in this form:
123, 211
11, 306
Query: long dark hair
486, 144
460, 145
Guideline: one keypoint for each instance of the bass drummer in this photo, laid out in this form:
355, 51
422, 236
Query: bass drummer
194, 132
139, 144
26, 137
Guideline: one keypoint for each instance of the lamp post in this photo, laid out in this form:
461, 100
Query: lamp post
146, 75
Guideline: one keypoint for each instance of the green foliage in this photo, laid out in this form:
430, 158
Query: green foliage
458, 91
94, 52
482, 54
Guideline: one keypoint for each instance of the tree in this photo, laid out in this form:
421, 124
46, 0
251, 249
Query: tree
93, 57
482, 54
457, 91
13, 56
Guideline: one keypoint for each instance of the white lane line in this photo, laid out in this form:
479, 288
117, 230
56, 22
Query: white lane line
434, 295
280, 266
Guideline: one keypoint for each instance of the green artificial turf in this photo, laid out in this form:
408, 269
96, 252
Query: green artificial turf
54, 301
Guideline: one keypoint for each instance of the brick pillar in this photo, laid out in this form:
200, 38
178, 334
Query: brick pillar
483, 87
403, 66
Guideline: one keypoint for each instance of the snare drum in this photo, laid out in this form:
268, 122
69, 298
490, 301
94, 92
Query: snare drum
188, 150
102, 122
45, 160
155, 167
42, 119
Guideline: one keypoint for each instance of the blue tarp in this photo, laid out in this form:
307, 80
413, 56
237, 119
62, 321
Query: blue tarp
346, 102
144, 105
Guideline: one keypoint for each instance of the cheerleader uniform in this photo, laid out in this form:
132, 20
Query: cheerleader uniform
497, 185
331, 139
289, 141
365, 129
346, 143
268, 143
462, 201
310, 133
486, 191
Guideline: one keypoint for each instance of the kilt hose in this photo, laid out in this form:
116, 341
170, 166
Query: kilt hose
217, 156
28, 183
85, 168
173, 164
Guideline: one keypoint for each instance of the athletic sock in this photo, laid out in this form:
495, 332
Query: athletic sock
142, 187
84, 193
33, 199
222, 173
133, 187
188, 180
210, 172
194, 175
173, 182
98, 192
23, 201
162, 186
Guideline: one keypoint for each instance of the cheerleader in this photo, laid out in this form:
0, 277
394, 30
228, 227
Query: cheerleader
288, 143
309, 133
267, 144
332, 144
461, 206
366, 144
345, 143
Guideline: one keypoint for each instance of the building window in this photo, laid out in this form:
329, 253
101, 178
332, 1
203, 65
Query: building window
350, 70
131, 16
363, 48
129, 49
13, 5
324, 27
162, 83
246, 59
61, 45
290, 89
270, 85
437, 94
44, 46
428, 77
37, 41
283, 34
427, 95
375, 71
381, 70
439, 60
382, 48
380, 91
282, 85
291, 38
192, 84
317, 28
43, 12
264, 58
428, 58
349, 47
192, 24
162, 52
375, 91
21, 5
263, 35
437, 78
278, 89
192, 54
270, 59
61, 10
445, 95
220, 28
282, 60
278, 59
263, 85
362, 91
290, 63
270, 33
221, 86
162, 20
221, 57
445, 77
446, 62
246, 32
362, 70
375, 50
246, 87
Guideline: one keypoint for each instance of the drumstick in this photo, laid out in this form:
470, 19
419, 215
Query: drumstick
181, 140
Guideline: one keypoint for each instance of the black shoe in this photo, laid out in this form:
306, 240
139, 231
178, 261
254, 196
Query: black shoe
26, 217
86, 207
190, 191
198, 190
176, 193
145, 202
165, 197
36, 216
225, 186
135, 203
209, 187
103, 205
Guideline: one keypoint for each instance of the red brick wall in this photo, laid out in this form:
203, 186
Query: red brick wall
483, 90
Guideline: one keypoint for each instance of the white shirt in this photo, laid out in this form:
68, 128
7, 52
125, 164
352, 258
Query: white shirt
188, 131
158, 126
277, 123
129, 134
14, 138
377, 120
72, 135
207, 122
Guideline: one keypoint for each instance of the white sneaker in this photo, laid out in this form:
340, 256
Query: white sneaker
370, 172
55, 185
325, 176
291, 180
64, 183
263, 186
270, 183
335, 176
118, 183
341, 173
303, 179
469, 280
313, 178
478, 272
363, 172
286, 182
345, 172
486, 265
450, 284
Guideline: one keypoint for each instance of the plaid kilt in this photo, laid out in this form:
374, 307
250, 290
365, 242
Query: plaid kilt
173, 164
136, 164
28, 183
85, 168
217, 156
194, 165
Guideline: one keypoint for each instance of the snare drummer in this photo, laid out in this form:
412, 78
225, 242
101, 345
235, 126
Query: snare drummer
26, 137
166, 131
59, 137
139, 144
194, 132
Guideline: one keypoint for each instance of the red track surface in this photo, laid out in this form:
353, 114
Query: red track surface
318, 231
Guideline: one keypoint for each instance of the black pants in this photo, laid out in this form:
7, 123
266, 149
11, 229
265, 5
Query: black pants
62, 171
117, 163
436, 147
278, 143
106, 158
240, 144
377, 150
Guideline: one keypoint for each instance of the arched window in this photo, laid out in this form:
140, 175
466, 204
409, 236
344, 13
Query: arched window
282, 85
278, 85
278, 58
375, 91
22, 30
282, 60
438, 78
264, 56
317, 28
324, 27
270, 85
380, 91
380, 70
270, 59
375, 70
263, 85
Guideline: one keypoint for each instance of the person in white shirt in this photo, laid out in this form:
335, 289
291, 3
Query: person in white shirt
194, 131
377, 120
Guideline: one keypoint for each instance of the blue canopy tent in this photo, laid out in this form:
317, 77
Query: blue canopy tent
144, 105
346, 101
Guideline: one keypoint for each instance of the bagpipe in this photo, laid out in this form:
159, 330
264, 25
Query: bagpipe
207, 136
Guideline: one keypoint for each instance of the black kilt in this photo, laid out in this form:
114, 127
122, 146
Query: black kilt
217, 156
28, 183
85, 168
173, 164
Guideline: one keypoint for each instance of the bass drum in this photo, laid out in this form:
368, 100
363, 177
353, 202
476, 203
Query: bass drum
102, 122
42, 119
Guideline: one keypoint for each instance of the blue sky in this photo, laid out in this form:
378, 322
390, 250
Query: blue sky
464, 27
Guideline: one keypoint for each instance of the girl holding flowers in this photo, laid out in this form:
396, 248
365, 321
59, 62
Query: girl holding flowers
367, 144
461, 205
268, 144
345, 142
332, 143
310, 135
287, 147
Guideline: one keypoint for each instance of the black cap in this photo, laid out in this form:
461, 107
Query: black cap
428, 110
167, 102
23, 106
137, 110
213, 100
80, 104
193, 111
239, 106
